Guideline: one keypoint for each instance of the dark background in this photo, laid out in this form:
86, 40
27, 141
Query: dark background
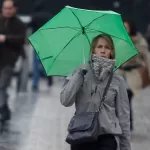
135, 9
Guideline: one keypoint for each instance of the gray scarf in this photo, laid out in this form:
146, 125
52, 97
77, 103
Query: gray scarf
102, 66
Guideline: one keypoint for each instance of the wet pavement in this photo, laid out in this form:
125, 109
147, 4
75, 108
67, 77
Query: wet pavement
39, 122
141, 134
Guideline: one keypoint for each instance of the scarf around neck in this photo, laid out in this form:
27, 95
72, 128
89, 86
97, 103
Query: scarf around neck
102, 66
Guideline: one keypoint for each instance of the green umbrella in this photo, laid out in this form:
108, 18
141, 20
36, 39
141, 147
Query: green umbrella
63, 43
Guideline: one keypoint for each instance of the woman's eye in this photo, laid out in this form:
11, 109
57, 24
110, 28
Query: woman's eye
99, 46
107, 47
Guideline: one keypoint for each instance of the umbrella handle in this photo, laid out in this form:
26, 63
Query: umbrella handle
84, 71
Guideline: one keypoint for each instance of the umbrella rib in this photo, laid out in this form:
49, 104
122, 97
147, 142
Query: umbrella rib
126, 61
37, 54
87, 38
46, 57
65, 47
80, 25
76, 17
94, 20
92, 30
63, 28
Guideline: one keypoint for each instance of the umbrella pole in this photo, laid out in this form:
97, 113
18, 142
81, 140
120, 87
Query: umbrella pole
83, 49
84, 59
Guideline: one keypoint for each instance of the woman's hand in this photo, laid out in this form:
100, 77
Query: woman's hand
83, 69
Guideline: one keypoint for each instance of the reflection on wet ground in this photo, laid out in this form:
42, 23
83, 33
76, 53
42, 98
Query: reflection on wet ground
39, 122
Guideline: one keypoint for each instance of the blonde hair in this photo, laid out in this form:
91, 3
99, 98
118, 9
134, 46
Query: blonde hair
108, 39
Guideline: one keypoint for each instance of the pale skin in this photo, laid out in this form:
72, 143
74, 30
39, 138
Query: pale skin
103, 49
127, 27
2, 38
8, 11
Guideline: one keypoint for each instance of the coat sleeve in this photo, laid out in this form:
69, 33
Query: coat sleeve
145, 54
71, 87
123, 113
18, 37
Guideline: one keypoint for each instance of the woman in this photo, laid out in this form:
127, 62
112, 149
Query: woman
85, 89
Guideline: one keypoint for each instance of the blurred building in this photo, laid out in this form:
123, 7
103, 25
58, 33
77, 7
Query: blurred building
136, 9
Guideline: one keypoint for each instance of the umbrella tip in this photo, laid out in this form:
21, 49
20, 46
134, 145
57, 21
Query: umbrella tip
68, 6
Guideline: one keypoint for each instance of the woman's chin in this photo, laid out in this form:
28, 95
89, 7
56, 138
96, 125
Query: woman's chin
104, 56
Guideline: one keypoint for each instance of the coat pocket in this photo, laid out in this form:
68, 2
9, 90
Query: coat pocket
115, 122
112, 115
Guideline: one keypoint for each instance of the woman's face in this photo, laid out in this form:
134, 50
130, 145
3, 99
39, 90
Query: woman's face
103, 48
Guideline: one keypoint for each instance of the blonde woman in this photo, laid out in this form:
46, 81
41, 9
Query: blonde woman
85, 89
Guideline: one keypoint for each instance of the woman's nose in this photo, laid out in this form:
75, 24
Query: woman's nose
103, 50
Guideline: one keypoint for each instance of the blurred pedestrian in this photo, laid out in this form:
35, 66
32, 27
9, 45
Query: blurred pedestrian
147, 35
39, 18
22, 81
86, 86
138, 68
12, 36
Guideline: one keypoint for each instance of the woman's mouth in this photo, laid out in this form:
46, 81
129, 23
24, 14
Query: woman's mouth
103, 56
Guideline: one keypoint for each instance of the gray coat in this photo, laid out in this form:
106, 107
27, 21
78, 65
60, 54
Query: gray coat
86, 93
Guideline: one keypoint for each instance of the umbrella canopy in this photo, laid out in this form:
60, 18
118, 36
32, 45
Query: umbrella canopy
63, 43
